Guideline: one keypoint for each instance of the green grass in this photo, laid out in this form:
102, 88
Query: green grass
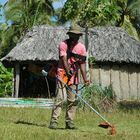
32, 124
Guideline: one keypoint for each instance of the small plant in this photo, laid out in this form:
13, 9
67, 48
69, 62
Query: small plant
6, 77
91, 60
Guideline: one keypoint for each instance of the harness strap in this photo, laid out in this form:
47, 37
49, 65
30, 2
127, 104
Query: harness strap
81, 57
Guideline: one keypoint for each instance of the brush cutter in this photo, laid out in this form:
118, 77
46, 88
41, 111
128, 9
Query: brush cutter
105, 124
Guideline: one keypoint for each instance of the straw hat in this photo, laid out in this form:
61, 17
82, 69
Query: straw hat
75, 29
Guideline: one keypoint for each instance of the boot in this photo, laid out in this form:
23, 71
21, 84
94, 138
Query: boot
53, 125
70, 125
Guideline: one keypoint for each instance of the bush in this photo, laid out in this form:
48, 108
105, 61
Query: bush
101, 98
6, 85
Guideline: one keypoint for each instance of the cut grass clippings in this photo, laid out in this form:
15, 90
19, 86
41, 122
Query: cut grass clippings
32, 124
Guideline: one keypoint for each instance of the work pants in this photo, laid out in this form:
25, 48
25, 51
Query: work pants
62, 94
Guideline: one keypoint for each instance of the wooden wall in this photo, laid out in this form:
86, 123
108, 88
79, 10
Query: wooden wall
124, 79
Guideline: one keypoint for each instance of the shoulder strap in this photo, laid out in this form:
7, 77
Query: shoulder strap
68, 49
81, 57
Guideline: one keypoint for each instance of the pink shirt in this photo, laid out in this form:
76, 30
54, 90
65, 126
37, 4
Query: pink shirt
79, 49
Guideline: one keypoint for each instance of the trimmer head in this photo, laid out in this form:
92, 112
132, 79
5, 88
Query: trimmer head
104, 125
107, 125
112, 130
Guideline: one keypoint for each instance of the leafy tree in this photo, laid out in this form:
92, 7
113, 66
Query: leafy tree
91, 13
7, 38
6, 77
22, 15
29, 12
0, 11
130, 16
122, 13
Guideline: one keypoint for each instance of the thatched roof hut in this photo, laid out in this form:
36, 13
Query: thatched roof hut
108, 45
112, 44
38, 45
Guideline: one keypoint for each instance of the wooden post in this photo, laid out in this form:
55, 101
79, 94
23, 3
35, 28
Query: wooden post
86, 38
17, 80
87, 49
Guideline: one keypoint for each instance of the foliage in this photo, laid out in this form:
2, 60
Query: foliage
0, 11
20, 16
28, 12
122, 13
102, 98
8, 38
6, 83
130, 16
91, 13
91, 60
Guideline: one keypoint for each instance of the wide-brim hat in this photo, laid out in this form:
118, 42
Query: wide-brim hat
75, 30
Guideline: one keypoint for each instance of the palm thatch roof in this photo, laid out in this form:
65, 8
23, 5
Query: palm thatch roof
106, 44
113, 44
39, 44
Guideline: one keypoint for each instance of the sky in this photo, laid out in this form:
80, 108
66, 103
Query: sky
59, 4
55, 5
3, 1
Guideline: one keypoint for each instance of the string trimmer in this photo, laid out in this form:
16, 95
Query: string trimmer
105, 124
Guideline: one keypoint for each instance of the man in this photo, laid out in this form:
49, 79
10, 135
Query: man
72, 56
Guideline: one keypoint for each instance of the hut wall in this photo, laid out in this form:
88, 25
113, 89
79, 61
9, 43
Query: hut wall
125, 80
105, 75
133, 82
115, 80
138, 83
95, 74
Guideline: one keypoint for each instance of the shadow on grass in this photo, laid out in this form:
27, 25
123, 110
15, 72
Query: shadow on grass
44, 125
29, 123
35, 124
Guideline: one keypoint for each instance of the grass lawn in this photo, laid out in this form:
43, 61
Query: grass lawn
32, 124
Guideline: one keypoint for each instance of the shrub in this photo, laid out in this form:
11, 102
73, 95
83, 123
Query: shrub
6, 77
101, 98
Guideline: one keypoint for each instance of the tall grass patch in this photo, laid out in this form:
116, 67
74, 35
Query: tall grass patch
99, 97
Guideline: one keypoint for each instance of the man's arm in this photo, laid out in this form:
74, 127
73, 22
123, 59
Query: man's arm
83, 72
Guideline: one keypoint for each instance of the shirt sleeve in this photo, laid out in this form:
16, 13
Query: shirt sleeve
62, 49
83, 52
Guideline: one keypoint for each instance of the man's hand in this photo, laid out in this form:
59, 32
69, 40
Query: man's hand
87, 83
